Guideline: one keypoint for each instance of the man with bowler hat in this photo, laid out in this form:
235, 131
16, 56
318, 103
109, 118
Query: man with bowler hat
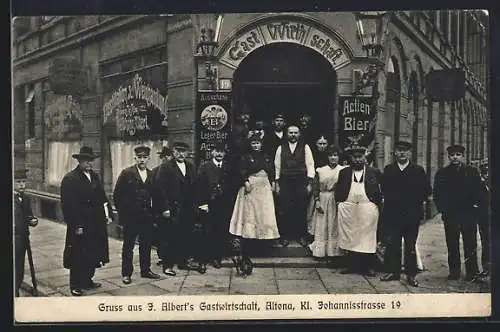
86, 212
165, 155
176, 185
212, 190
23, 219
133, 196
405, 187
457, 193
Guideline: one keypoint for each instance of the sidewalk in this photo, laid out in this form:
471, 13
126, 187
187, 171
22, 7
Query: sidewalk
271, 275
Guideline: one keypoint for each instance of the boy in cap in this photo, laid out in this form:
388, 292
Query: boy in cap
457, 192
86, 212
406, 187
212, 190
277, 137
176, 186
23, 219
133, 196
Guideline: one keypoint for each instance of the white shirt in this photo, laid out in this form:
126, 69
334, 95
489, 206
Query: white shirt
182, 167
217, 163
403, 166
309, 160
143, 174
357, 175
279, 134
87, 174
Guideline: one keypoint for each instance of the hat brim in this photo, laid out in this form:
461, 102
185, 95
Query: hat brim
85, 156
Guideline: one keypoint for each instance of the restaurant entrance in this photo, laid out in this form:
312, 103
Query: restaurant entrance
287, 78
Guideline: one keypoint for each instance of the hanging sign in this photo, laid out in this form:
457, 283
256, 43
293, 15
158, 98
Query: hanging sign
139, 111
285, 30
63, 118
67, 77
357, 117
213, 120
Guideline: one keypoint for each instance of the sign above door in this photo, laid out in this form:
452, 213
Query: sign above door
288, 29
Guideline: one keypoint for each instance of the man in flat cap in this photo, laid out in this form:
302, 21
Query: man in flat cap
212, 190
457, 193
306, 130
405, 187
176, 185
359, 198
23, 219
86, 212
277, 137
165, 155
133, 196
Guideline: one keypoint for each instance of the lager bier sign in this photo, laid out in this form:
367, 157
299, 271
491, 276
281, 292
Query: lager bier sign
356, 121
213, 120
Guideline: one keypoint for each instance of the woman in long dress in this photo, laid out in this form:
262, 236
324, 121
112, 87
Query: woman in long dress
253, 214
324, 217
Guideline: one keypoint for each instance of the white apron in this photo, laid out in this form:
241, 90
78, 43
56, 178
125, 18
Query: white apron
357, 220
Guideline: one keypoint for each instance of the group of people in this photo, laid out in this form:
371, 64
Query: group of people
271, 186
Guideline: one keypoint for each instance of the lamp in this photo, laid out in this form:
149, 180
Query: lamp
206, 49
372, 29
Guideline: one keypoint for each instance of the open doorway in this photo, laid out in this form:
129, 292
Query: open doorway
290, 79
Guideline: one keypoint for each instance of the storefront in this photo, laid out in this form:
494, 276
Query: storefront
148, 82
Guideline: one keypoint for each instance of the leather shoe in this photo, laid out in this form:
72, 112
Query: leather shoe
216, 263
150, 275
412, 281
126, 280
453, 276
169, 272
303, 242
284, 243
347, 271
202, 268
76, 292
93, 285
369, 273
389, 277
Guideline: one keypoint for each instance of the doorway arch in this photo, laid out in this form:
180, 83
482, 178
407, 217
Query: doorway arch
288, 78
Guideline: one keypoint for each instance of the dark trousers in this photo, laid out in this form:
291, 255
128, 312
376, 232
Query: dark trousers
166, 246
81, 274
468, 228
359, 262
484, 232
397, 230
20, 256
131, 231
293, 202
216, 234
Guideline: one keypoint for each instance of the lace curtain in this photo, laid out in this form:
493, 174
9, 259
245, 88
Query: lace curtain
59, 160
122, 155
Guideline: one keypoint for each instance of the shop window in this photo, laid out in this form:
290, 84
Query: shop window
59, 160
122, 155
30, 102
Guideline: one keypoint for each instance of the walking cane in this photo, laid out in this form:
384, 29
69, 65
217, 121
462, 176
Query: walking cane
32, 268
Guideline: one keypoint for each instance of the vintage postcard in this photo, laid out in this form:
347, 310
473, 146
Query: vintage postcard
251, 166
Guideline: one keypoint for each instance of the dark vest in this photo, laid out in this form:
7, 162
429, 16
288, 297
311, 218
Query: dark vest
293, 164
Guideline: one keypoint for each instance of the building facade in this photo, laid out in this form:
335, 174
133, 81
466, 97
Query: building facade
288, 62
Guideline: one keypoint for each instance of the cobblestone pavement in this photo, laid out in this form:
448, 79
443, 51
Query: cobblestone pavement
274, 275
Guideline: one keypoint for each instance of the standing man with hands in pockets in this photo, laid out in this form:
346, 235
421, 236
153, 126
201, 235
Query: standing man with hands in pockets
133, 198
86, 212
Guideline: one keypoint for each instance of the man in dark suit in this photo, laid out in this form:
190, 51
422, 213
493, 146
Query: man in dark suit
457, 193
212, 190
176, 185
359, 199
165, 155
86, 212
133, 199
405, 187
484, 221
23, 219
